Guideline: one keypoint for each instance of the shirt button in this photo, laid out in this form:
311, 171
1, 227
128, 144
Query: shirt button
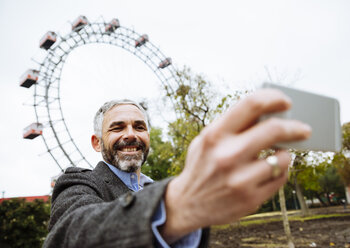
132, 176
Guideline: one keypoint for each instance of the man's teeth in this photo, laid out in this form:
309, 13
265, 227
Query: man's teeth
127, 149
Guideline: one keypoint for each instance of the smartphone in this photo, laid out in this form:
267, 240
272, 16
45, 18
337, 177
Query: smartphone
322, 113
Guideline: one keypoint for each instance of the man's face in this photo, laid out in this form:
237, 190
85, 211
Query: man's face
125, 139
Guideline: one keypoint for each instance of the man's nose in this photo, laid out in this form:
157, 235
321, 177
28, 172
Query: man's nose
129, 134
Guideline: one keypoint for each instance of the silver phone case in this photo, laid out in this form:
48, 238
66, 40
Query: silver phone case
322, 113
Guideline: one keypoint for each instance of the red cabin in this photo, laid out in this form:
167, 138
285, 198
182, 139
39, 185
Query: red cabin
166, 62
142, 40
112, 25
33, 130
79, 23
48, 40
29, 78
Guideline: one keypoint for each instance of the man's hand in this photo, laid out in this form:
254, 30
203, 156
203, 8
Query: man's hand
223, 179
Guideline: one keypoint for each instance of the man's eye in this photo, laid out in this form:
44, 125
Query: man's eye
141, 128
117, 128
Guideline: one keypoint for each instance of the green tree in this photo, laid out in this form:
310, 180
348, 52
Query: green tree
297, 177
160, 156
197, 103
23, 224
330, 182
310, 178
342, 159
346, 136
342, 163
318, 177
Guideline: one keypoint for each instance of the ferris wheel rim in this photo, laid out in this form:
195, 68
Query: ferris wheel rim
51, 69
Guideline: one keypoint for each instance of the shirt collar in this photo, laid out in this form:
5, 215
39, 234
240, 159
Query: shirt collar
130, 178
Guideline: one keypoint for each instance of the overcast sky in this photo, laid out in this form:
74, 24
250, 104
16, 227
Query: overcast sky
303, 43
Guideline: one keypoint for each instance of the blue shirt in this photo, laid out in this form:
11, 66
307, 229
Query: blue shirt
159, 218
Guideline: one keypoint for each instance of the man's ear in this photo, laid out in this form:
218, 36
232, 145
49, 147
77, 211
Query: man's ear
96, 143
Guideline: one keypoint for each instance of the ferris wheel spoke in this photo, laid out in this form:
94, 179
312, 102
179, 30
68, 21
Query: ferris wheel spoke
47, 100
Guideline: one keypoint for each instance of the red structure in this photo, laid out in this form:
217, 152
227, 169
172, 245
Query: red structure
29, 78
112, 25
47, 78
33, 130
141, 41
166, 62
48, 40
79, 23
45, 198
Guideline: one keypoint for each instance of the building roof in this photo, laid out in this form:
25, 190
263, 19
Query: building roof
45, 198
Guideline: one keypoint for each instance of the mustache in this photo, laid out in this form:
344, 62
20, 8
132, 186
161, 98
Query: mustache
121, 144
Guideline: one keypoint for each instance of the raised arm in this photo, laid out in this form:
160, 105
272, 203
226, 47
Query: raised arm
223, 179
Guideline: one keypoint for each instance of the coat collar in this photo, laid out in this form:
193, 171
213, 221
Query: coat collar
114, 185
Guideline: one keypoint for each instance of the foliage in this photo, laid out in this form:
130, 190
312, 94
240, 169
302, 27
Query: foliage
308, 173
181, 132
160, 156
316, 173
342, 160
197, 103
23, 224
330, 183
346, 136
342, 163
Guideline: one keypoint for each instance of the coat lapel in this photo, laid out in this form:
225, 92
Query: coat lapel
113, 186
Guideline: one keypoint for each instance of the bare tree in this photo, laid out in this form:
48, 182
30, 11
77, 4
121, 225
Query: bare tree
285, 218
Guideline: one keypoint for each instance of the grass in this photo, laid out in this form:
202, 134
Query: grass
263, 220
315, 217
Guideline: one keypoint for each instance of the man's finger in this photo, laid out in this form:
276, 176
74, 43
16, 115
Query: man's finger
265, 171
274, 130
248, 111
259, 172
267, 190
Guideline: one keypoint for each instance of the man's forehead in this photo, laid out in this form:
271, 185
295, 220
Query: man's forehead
124, 111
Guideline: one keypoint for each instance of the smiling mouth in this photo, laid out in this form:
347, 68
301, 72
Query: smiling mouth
129, 149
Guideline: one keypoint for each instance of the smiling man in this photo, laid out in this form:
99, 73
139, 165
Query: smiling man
124, 138
222, 181
121, 134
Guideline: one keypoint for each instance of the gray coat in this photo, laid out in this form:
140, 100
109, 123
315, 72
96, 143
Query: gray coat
96, 209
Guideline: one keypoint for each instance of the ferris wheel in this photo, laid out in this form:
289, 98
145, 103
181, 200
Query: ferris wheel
45, 79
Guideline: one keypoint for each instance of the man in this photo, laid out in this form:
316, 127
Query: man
222, 181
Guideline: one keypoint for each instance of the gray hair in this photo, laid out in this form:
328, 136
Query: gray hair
99, 116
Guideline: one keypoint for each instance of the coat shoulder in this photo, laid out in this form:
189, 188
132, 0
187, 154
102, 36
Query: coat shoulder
72, 170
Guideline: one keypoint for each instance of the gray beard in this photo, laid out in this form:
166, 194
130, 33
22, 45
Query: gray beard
127, 163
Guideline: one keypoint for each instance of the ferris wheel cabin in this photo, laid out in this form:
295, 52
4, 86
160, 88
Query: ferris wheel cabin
141, 41
33, 130
79, 23
48, 40
112, 25
29, 78
166, 62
